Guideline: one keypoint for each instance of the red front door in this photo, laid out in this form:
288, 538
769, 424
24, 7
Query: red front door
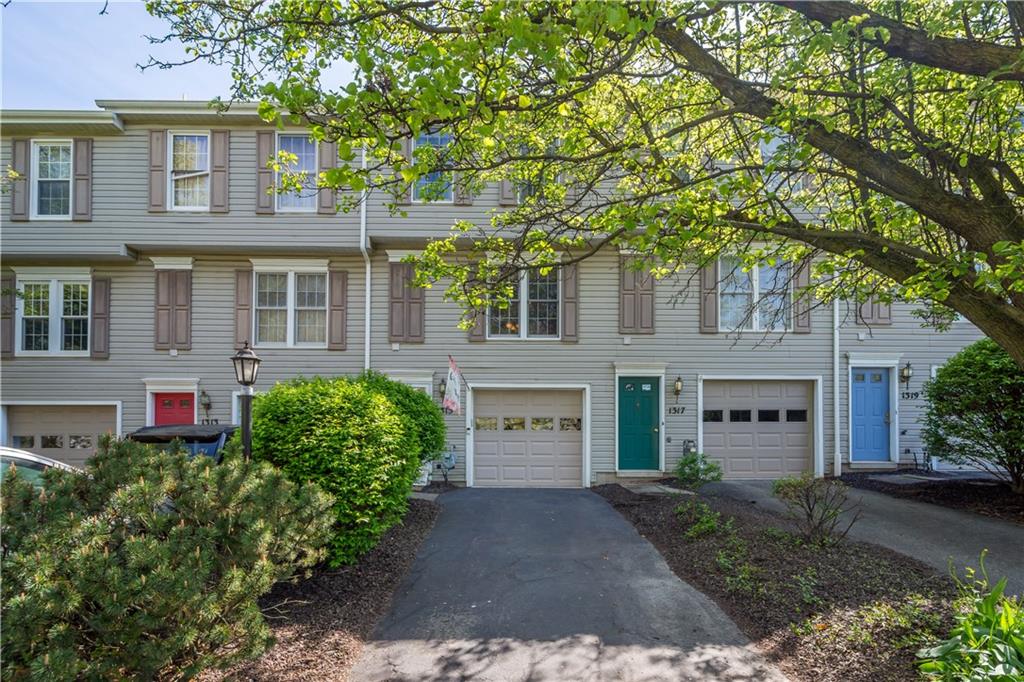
173, 408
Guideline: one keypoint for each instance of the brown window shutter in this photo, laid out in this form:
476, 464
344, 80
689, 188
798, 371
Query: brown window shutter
403, 192
182, 312
709, 298
265, 198
802, 300
636, 299
463, 195
396, 302
570, 303
220, 151
82, 193
883, 313
157, 171
20, 160
7, 317
874, 312
99, 341
327, 199
243, 308
337, 333
478, 332
414, 308
163, 316
507, 194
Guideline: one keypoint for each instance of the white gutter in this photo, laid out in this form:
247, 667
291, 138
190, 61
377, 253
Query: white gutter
837, 454
366, 263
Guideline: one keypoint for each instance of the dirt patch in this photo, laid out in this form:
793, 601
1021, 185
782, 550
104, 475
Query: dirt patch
438, 487
853, 612
320, 623
989, 498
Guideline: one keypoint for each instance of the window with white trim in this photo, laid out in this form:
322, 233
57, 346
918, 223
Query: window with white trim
757, 300
53, 316
300, 159
436, 186
291, 309
189, 178
51, 178
537, 300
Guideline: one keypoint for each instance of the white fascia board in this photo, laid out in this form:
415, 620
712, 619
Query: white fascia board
172, 262
51, 272
289, 264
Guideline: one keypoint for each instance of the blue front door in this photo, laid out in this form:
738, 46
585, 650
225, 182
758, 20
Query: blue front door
871, 413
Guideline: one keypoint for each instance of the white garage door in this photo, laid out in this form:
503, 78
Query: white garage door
759, 429
66, 433
528, 438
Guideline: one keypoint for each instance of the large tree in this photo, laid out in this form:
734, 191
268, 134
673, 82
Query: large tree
885, 139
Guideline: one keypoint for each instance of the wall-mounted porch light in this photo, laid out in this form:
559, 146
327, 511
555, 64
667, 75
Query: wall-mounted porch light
906, 373
677, 386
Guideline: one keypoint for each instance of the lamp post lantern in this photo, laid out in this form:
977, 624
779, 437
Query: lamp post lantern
247, 368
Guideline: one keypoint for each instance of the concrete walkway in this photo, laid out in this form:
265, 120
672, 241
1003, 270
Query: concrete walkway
549, 585
926, 532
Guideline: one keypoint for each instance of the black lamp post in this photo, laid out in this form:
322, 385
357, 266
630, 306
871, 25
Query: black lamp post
247, 368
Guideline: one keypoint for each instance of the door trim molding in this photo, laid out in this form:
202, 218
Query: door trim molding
5, 435
527, 386
891, 362
819, 411
641, 369
156, 385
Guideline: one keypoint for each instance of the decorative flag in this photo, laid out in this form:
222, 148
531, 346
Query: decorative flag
452, 401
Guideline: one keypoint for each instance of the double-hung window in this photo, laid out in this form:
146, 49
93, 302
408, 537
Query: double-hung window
53, 316
189, 178
291, 309
51, 179
436, 186
758, 300
535, 301
297, 155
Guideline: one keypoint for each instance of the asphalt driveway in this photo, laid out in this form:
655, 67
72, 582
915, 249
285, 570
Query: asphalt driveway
930, 533
549, 585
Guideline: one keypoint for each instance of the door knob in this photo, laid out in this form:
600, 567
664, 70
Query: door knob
887, 416
655, 429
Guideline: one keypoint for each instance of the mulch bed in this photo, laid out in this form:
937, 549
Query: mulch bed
321, 623
852, 612
989, 498
438, 487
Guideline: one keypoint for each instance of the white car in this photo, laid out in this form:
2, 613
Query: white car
29, 466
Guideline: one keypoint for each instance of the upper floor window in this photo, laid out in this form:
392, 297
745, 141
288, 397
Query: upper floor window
301, 152
436, 185
291, 309
758, 300
190, 171
537, 301
53, 316
51, 188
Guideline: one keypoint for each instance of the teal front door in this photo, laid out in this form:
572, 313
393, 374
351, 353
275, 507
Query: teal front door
639, 409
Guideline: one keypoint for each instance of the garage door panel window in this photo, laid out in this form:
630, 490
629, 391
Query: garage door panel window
291, 309
486, 423
768, 285
542, 424
23, 442
570, 424
739, 415
54, 316
796, 415
767, 415
514, 423
713, 415
537, 299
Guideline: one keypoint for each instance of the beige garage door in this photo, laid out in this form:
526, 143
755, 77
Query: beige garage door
66, 433
759, 429
528, 439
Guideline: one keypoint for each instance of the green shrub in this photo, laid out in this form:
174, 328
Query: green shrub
149, 566
702, 519
428, 421
987, 642
695, 469
349, 439
817, 506
975, 412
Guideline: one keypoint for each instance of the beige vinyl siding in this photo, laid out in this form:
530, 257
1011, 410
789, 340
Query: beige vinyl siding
120, 217
133, 358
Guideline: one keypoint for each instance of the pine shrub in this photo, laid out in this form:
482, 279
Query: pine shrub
349, 439
149, 565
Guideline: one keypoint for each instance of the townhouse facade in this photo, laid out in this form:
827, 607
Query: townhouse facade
141, 247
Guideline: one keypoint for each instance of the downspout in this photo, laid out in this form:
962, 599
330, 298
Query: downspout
366, 263
837, 454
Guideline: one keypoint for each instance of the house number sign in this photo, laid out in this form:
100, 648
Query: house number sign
677, 409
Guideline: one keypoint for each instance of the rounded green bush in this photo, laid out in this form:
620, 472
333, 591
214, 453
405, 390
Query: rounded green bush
349, 439
427, 419
975, 412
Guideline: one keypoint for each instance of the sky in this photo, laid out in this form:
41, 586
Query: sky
66, 55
